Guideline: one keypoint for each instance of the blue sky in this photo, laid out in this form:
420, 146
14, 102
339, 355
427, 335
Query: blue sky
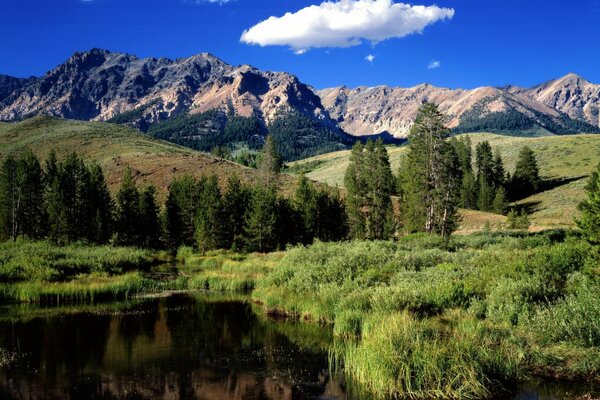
481, 42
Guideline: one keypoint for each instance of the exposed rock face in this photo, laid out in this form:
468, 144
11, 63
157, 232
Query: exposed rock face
572, 95
99, 84
368, 110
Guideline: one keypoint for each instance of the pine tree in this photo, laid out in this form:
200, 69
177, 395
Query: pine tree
235, 208
590, 209
10, 198
260, 230
355, 182
485, 195
305, 203
525, 180
53, 197
469, 192
180, 211
101, 207
498, 171
380, 189
447, 192
270, 163
149, 219
32, 213
429, 176
500, 203
127, 221
209, 218
331, 222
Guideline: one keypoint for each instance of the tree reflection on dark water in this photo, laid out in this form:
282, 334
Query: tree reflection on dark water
174, 347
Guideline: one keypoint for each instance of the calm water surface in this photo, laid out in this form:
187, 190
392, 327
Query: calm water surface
181, 346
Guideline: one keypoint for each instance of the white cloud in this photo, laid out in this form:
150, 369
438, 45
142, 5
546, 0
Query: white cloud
433, 64
344, 23
370, 58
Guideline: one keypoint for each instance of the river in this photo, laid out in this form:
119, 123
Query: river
178, 346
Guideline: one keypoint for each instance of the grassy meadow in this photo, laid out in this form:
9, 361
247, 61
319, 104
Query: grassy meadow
564, 161
114, 147
415, 318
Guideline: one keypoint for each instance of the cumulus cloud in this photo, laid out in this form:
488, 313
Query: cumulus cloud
344, 23
370, 58
433, 64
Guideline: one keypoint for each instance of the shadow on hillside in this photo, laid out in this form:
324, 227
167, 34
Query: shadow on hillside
387, 138
552, 183
529, 207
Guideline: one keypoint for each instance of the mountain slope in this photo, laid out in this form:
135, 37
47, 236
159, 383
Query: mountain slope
98, 84
115, 147
369, 110
572, 95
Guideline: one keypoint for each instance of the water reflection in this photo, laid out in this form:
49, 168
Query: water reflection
177, 347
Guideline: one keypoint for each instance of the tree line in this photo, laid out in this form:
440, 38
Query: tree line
437, 176
69, 201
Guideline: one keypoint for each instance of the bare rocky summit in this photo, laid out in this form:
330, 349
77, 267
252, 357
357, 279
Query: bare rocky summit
99, 85
551, 106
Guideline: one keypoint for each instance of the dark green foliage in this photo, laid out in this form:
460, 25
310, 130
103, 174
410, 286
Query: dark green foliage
128, 212
262, 220
101, 207
590, 209
500, 203
270, 163
511, 120
370, 184
201, 131
180, 210
209, 216
235, 203
305, 202
517, 220
10, 193
299, 136
150, 230
134, 117
22, 197
430, 176
525, 180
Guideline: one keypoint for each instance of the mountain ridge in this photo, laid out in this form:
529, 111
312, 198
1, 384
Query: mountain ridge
99, 85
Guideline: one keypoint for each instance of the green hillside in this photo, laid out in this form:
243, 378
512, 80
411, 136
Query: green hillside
114, 147
564, 160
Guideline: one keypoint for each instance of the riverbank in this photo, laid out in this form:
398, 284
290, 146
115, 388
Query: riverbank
417, 318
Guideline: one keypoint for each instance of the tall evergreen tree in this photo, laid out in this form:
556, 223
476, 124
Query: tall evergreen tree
262, 221
526, 179
209, 217
32, 211
10, 198
355, 182
127, 221
590, 209
485, 175
180, 210
149, 219
381, 188
331, 223
101, 207
500, 203
235, 208
498, 171
429, 176
305, 203
270, 163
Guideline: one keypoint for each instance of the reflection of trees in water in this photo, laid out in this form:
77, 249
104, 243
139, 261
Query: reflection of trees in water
177, 347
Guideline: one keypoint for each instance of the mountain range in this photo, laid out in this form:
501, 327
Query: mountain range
100, 85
